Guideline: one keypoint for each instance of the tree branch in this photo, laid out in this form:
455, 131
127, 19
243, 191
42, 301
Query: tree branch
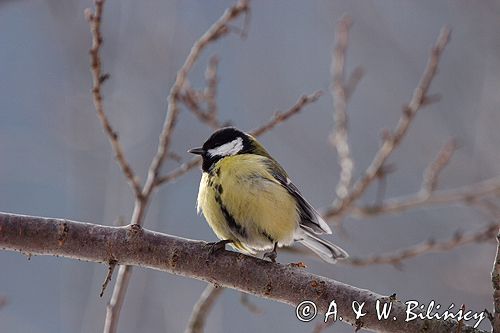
98, 79
278, 118
392, 140
133, 245
117, 298
219, 29
193, 98
339, 137
211, 89
431, 174
216, 31
464, 194
202, 308
396, 258
429, 180
495, 280
107, 280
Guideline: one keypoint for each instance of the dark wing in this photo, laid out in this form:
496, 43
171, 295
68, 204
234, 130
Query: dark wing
309, 217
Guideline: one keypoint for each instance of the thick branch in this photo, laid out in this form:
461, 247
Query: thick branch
133, 245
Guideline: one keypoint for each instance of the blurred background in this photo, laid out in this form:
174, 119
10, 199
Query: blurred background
57, 162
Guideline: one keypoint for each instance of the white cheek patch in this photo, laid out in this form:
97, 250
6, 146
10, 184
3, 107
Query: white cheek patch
227, 149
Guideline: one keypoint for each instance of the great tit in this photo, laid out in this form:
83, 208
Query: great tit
249, 201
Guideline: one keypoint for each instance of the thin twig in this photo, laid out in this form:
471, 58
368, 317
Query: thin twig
111, 268
117, 298
219, 29
495, 281
490, 209
392, 141
95, 19
467, 194
382, 181
211, 89
191, 99
430, 246
339, 137
427, 188
351, 84
202, 308
280, 117
216, 31
269, 125
397, 257
179, 171
98, 79
431, 174
175, 157
245, 301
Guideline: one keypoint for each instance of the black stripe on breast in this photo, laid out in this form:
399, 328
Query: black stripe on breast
265, 234
235, 227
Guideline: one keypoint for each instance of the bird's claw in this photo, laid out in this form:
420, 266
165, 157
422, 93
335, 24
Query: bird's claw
271, 255
217, 246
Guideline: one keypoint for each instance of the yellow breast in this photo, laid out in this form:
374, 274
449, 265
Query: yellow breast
242, 201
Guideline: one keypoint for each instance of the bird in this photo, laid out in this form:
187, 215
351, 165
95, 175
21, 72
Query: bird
250, 202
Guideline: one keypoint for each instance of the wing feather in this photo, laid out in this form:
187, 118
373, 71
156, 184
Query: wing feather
310, 219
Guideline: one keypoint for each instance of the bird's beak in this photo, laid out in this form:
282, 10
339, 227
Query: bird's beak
197, 151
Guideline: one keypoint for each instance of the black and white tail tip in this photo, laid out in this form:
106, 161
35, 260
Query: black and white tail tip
327, 251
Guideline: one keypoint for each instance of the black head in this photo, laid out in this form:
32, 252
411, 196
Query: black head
227, 141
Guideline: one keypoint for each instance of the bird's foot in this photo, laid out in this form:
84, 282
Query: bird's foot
271, 255
217, 246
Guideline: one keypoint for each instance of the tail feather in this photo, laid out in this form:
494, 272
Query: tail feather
327, 251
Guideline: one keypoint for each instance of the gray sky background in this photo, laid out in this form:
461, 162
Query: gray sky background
57, 162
